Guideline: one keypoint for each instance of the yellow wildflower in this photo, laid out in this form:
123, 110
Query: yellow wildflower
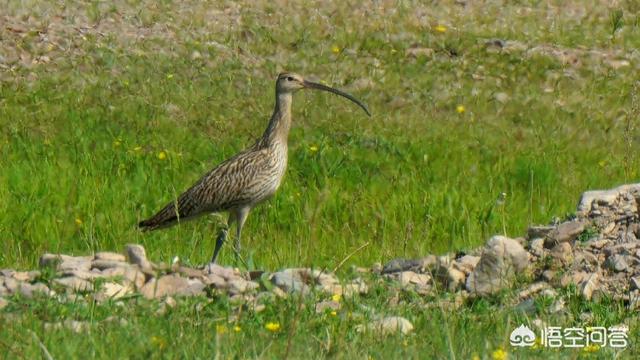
78, 221
117, 142
460, 109
169, 76
334, 313
499, 354
440, 28
475, 357
162, 155
272, 326
237, 328
336, 297
335, 49
591, 348
159, 342
137, 148
221, 329
313, 148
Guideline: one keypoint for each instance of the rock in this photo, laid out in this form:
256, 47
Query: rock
398, 265
289, 281
3, 303
536, 247
225, 273
590, 285
131, 275
215, 281
534, 232
455, 279
415, 52
501, 259
466, 263
562, 253
356, 287
241, 286
323, 306
107, 264
83, 274
565, 232
600, 197
190, 272
31, 290
74, 283
389, 325
109, 256
174, 285
25, 276
78, 327
65, 262
407, 278
617, 263
112, 290
634, 283
574, 277
533, 289
138, 256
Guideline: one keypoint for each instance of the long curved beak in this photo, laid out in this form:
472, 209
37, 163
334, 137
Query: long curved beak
313, 85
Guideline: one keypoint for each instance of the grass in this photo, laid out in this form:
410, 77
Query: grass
90, 104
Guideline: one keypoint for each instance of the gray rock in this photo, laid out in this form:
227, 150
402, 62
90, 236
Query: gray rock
215, 281
31, 290
173, 285
634, 283
241, 286
225, 273
466, 264
573, 277
398, 265
131, 275
138, 256
590, 285
190, 272
74, 283
562, 253
65, 262
536, 247
501, 259
407, 278
112, 291
565, 232
389, 325
323, 306
289, 281
535, 232
617, 263
107, 264
109, 256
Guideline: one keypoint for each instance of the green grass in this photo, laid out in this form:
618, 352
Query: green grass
80, 137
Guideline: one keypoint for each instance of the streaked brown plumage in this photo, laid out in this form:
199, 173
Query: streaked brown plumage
248, 178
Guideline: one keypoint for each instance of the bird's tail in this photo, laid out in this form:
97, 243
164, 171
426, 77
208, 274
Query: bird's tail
164, 218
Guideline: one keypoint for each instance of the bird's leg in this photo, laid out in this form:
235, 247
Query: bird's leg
222, 236
241, 216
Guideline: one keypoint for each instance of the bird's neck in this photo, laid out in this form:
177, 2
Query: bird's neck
277, 131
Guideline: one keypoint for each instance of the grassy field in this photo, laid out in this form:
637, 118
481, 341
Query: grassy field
108, 110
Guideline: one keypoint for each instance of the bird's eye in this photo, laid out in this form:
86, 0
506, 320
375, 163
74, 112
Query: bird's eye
290, 78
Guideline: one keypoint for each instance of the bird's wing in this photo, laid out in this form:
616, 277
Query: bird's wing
220, 189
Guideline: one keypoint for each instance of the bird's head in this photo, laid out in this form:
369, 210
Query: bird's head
289, 83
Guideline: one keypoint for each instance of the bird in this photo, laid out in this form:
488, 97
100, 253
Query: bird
247, 179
